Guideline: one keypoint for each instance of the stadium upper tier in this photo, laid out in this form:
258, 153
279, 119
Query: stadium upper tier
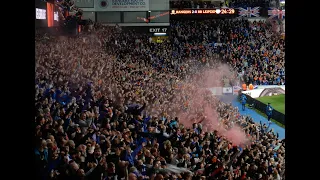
202, 4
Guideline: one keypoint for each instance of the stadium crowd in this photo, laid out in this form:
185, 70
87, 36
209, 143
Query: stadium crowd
202, 4
191, 4
255, 52
111, 104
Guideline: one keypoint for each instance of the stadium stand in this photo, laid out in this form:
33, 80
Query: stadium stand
110, 104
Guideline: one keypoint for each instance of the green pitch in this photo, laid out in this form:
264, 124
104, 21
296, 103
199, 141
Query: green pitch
277, 102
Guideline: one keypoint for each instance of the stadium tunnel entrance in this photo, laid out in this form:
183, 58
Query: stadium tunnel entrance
157, 34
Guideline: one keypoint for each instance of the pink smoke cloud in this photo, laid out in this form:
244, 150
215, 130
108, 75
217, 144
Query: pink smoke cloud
202, 107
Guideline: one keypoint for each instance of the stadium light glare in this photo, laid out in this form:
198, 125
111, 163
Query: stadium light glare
41, 13
159, 34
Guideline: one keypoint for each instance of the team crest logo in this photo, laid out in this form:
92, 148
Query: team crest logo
104, 3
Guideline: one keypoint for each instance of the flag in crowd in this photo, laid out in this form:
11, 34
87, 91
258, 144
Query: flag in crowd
276, 13
249, 12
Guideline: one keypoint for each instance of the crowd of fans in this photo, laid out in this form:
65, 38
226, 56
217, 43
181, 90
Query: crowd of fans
67, 10
253, 49
201, 4
253, 3
193, 4
109, 104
